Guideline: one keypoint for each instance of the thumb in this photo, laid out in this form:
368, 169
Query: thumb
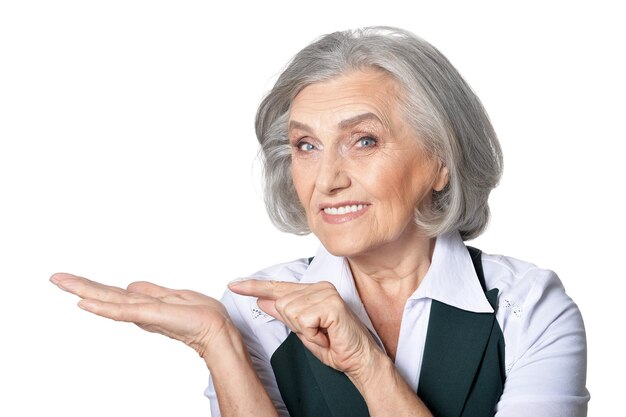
315, 336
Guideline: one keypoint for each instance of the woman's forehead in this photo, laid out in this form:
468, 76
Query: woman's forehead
357, 96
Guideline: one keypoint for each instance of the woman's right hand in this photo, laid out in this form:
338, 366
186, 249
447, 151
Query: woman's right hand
195, 319
322, 320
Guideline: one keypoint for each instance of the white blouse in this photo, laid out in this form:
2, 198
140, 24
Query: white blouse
545, 345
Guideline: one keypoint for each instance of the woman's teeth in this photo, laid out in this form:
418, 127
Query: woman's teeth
344, 209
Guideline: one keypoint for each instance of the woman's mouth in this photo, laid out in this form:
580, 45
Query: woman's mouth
344, 212
344, 209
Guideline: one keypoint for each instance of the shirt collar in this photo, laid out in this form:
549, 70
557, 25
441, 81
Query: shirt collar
451, 277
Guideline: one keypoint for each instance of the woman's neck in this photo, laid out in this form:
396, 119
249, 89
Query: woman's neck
395, 270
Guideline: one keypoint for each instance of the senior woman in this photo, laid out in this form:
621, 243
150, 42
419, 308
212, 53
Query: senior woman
373, 142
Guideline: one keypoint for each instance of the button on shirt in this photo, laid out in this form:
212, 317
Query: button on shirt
545, 348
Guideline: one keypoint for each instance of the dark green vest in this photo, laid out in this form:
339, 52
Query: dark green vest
462, 371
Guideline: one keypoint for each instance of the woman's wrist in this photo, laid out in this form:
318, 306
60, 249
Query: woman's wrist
375, 363
227, 345
385, 391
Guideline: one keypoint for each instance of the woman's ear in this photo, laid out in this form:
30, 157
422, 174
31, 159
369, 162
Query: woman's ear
442, 178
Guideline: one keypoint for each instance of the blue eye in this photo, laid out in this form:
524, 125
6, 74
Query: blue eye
366, 142
305, 146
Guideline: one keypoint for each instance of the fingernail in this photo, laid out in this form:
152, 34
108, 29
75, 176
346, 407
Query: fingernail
66, 286
236, 282
54, 279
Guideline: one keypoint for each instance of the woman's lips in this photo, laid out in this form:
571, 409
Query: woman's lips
343, 212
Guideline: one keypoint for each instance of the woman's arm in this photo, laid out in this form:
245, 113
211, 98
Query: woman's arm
237, 386
199, 321
384, 390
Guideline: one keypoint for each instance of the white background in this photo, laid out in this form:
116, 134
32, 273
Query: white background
127, 152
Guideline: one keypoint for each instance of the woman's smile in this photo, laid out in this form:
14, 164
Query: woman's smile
343, 212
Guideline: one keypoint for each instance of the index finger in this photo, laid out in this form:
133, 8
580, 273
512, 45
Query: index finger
270, 290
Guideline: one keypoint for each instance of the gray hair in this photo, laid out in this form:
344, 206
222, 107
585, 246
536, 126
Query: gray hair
451, 123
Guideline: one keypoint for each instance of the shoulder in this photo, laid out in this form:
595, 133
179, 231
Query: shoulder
507, 273
525, 289
533, 307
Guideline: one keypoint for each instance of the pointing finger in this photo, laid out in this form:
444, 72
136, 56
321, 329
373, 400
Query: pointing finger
271, 290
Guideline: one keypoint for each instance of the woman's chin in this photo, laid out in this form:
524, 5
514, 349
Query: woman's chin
344, 245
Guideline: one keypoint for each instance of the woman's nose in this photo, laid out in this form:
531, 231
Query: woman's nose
332, 175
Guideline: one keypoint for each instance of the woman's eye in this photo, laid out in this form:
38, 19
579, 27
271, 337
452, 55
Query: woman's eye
366, 142
306, 147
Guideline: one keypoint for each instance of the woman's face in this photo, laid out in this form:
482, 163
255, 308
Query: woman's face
357, 166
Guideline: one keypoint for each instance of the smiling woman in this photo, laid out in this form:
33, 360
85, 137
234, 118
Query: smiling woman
373, 142
347, 164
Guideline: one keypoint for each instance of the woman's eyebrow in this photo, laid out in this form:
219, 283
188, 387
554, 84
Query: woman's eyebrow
358, 119
344, 124
293, 124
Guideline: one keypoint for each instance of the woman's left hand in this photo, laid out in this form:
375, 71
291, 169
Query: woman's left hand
317, 314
